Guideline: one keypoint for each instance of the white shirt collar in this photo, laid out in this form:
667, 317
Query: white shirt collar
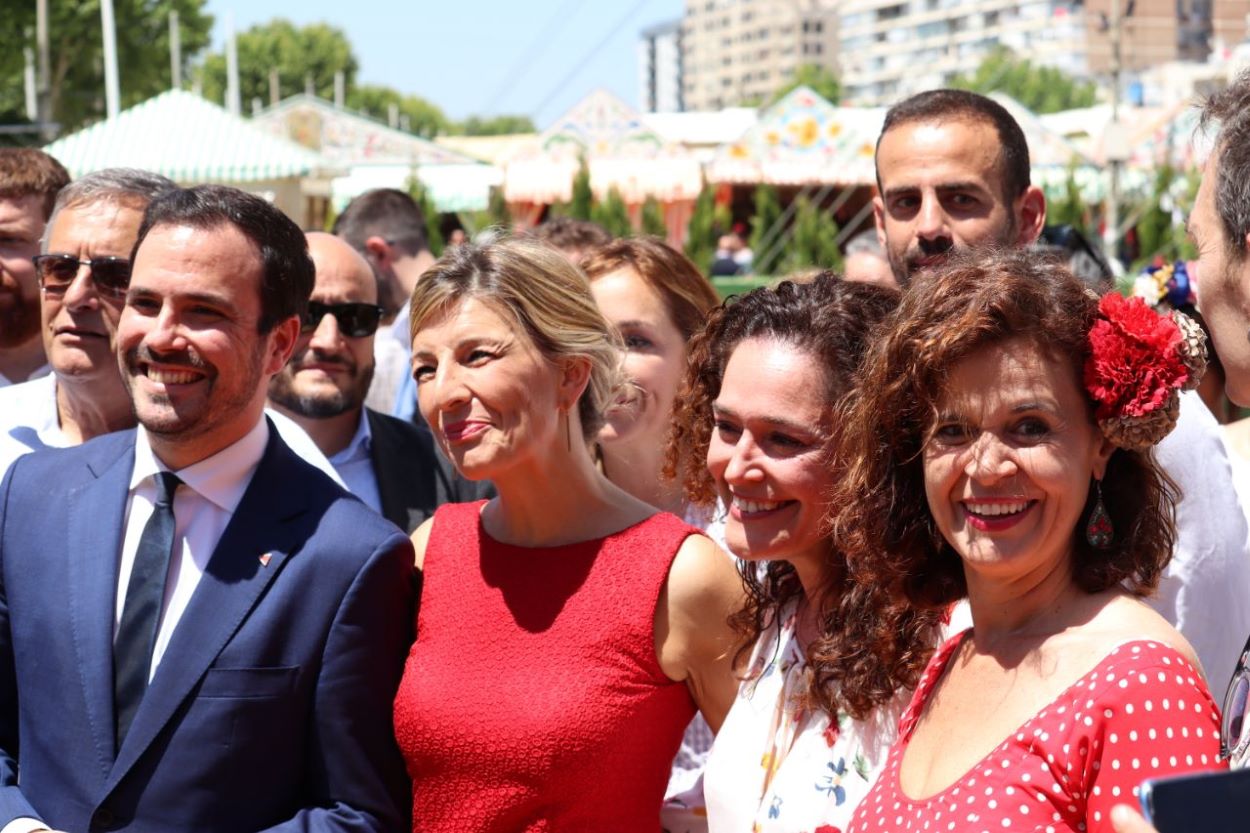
221, 478
360, 445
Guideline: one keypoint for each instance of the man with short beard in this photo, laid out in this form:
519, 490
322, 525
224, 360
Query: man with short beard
29, 182
390, 464
953, 173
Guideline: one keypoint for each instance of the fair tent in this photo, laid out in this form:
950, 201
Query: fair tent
375, 155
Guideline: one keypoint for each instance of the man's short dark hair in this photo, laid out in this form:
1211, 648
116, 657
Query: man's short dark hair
287, 273
27, 171
387, 213
568, 234
1231, 108
936, 106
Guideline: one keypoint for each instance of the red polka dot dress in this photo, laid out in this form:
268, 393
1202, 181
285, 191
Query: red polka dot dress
1142, 712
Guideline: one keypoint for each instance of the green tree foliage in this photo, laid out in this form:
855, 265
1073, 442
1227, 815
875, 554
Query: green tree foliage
582, 204
823, 81
318, 50
708, 221
612, 214
424, 119
1158, 232
492, 126
424, 201
767, 213
76, 53
811, 244
653, 219
1042, 89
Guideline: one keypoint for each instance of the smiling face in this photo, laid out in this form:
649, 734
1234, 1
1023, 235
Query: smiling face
191, 356
655, 356
942, 190
491, 398
1007, 469
21, 226
80, 324
767, 454
330, 371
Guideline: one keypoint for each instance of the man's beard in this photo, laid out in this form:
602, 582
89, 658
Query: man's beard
908, 266
324, 403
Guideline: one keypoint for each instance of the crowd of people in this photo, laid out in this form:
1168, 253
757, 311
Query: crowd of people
317, 531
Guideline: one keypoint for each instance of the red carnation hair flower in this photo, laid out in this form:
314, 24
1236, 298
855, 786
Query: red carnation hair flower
1135, 363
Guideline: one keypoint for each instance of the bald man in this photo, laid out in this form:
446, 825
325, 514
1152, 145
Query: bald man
390, 464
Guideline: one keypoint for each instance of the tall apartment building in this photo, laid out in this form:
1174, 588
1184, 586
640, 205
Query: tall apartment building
660, 62
892, 48
740, 51
889, 49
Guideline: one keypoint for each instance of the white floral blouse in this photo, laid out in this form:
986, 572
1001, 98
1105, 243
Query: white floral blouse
775, 767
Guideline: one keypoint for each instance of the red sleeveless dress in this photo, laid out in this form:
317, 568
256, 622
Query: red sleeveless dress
532, 699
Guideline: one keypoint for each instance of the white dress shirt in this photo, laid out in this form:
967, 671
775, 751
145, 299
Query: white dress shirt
355, 466
203, 506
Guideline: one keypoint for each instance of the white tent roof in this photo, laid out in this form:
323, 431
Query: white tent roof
188, 139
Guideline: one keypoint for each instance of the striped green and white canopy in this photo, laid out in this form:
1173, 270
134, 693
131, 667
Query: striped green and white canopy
189, 140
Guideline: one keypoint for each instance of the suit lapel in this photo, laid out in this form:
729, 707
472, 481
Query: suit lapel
250, 554
97, 511
405, 473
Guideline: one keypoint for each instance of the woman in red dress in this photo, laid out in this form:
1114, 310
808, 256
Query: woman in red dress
567, 630
1001, 444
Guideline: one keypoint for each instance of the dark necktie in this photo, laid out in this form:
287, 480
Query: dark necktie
136, 635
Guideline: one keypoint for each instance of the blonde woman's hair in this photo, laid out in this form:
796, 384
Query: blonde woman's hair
549, 299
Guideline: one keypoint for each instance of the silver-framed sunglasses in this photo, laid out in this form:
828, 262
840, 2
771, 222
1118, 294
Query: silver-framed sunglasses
1235, 723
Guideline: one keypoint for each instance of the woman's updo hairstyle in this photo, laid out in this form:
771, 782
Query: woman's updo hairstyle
533, 285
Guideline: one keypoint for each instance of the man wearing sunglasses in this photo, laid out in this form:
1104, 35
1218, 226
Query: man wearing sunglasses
390, 464
82, 275
29, 182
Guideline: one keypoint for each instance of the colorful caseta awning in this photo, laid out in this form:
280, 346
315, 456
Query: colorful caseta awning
189, 140
620, 151
803, 140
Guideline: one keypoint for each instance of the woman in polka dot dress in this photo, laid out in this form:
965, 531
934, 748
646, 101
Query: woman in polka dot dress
993, 464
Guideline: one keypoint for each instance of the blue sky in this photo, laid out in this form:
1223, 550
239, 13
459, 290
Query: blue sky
537, 58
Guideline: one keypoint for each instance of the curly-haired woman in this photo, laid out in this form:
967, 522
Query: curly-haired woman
815, 713
998, 450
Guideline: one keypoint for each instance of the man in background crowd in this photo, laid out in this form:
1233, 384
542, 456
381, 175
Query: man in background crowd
83, 274
29, 182
387, 227
390, 464
953, 173
866, 261
574, 238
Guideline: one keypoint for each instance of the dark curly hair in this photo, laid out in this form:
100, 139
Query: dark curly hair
978, 300
872, 644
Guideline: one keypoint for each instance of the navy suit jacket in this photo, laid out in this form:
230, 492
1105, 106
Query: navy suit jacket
271, 707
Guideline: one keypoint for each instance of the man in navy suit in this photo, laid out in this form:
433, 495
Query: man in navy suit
198, 630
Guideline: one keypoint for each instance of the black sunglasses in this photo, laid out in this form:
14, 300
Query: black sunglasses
1235, 724
354, 320
111, 275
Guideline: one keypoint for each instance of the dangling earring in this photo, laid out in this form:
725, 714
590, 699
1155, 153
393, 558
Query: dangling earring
1099, 531
568, 435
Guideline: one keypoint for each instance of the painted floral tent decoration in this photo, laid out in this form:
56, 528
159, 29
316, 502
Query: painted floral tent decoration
375, 155
620, 151
803, 140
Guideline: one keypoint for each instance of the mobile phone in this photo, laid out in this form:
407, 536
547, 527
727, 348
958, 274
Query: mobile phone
1204, 802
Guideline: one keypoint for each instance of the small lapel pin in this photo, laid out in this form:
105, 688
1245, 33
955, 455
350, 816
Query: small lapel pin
264, 559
